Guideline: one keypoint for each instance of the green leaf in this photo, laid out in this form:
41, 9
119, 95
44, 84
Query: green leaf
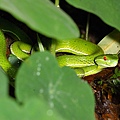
9, 110
40, 76
42, 16
107, 10
40, 111
13, 30
33, 109
3, 84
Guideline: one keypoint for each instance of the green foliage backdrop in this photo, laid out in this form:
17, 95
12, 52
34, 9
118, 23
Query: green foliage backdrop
47, 91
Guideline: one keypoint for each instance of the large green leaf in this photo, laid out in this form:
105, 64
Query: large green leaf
107, 10
3, 84
40, 76
42, 16
33, 109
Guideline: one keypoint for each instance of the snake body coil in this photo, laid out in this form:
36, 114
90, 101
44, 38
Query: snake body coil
18, 48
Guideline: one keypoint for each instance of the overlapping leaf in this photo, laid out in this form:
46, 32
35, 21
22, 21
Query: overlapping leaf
107, 10
40, 76
3, 84
42, 16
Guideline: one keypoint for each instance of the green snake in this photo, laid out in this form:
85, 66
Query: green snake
84, 57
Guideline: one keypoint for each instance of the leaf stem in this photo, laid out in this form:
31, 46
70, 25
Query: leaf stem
57, 3
87, 27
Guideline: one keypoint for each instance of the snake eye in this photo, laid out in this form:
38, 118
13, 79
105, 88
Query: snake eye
105, 58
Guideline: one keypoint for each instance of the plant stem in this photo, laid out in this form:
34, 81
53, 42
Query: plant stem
41, 48
57, 3
87, 27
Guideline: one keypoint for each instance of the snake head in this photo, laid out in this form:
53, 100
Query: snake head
107, 60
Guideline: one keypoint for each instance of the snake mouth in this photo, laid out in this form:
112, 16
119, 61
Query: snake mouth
106, 66
111, 63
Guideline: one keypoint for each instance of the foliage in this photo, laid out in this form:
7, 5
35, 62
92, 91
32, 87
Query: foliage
107, 10
45, 90
44, 18
117, 73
